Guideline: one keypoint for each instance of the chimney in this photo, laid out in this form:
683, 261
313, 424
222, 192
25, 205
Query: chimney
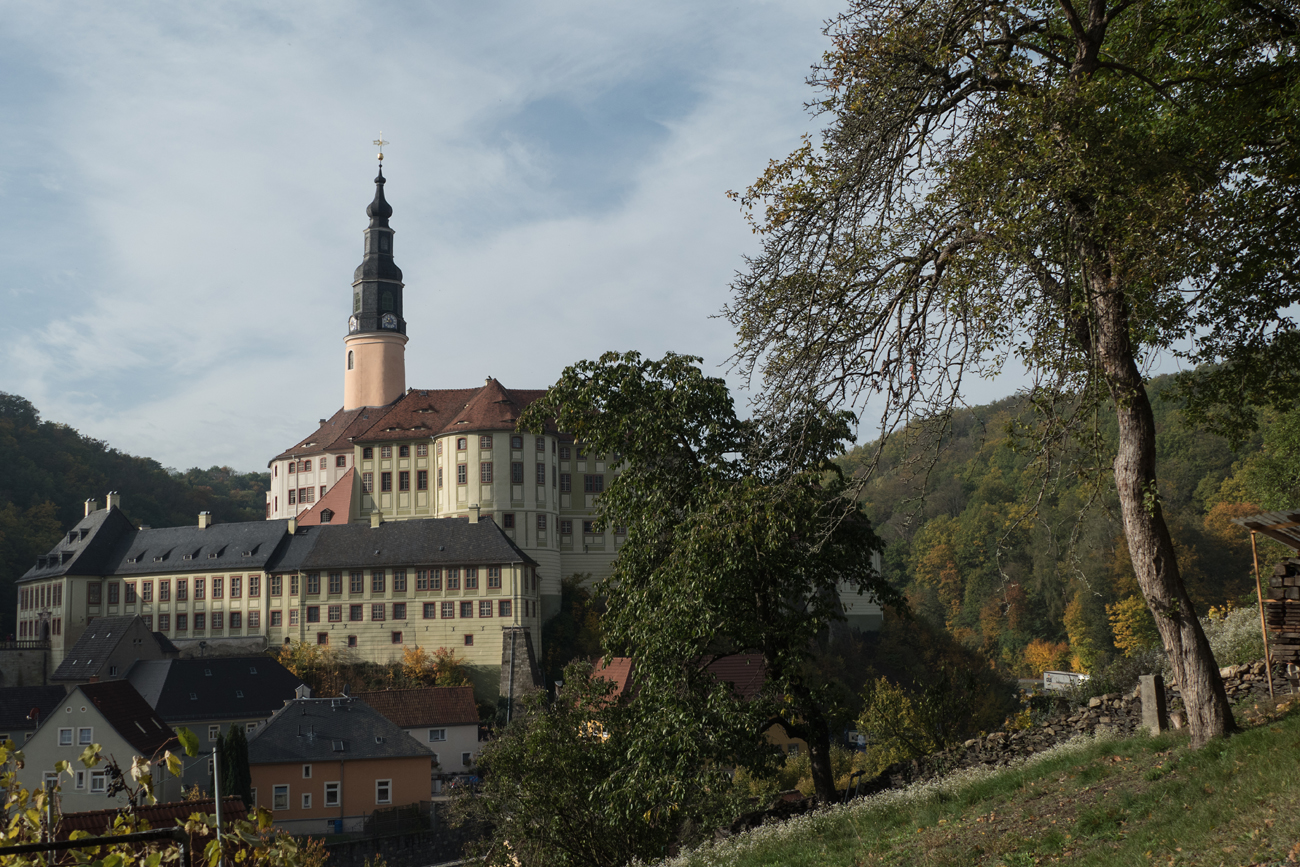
473, 514
114, 501
293, 526
376, 518
94, 678
91, 506
205, 520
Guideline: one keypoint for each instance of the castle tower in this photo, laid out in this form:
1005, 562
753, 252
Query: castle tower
375, 349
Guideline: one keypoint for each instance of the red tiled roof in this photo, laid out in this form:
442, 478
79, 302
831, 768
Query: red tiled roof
418, 414
424, 706
96, 822
617, 670
337, 499
130, 716
744, 671
333, 433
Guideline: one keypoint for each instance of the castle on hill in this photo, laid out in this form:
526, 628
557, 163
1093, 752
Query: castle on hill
408, 517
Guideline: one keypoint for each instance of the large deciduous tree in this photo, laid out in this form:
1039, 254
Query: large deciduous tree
738, 540
1075, 184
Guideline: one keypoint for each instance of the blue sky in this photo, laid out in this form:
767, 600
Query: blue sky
184, 185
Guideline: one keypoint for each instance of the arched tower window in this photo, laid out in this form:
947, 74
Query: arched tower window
388, 300
351, 363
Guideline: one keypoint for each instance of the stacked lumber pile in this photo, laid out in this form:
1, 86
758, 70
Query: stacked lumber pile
1282, 611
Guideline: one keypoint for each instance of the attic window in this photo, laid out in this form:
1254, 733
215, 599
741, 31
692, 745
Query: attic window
140, 727
212, 556
157, 559
379, 739
67, 555
85, 533
194, 696
338, 746
239, 693
326, 516
72, 536
252, 669
135, 559
187, 557
248, 553
207, 672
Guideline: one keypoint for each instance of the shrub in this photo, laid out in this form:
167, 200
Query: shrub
1234, 635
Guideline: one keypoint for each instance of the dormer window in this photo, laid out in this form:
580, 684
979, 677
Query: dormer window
326, 516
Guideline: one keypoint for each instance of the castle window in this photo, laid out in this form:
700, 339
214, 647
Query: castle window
494, 577
377, 611
485, 472
93, 590
313, 614
236, 620
367, 482
200, 621
164, 623
403, 451
469, 639
385, 451
404, 480
324, 462
254, 586
336, 578
516, 442
182, 622
356, 308
388, 300
293, 467
354, 612
485, 442
182, 589
517, 473
438, 448
351, 361
377, 581
541, 444
385, 482
236, 586
293, 496
541, 522
440, 477
422, 480
462, 474
566, 527
462, 443
357, 582
321, 638
341, 461
397, 638
471, 578
485, 608
313, 584
593, 484
277, 584
367, 453
453, 578
541, 474
564, 453
277, 619
467, 610
113, 592
508, 520
399, 610
448, 610
399, 580
504, 608
422, 450
217, 617
336, 614
254, 620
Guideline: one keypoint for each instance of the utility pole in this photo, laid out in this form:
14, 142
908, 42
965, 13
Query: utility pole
216, 789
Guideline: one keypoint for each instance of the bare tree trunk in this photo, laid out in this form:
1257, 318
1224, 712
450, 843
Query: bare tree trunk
1149, 542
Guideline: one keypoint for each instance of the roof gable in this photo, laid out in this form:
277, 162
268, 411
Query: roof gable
86, 548
129, 714
337, 501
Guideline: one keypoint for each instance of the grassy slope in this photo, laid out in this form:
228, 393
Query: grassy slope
1138, 801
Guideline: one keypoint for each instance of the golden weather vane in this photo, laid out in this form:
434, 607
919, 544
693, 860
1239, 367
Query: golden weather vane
380, 143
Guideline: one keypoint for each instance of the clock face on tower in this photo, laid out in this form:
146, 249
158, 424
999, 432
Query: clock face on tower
389, 321
353, 324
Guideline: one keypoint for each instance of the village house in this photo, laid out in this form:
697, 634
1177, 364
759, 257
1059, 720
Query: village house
322, 765
114, 716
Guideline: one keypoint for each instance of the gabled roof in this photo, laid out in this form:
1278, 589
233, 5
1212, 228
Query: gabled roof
129, 715
324, 729
224, 687
431, 541
419, 414
87, 657
425, 706
745, 672
337, 500
18, 702
86, 549
615, 669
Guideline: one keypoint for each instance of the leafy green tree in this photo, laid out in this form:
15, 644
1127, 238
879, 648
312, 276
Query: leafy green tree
574, 632
556, 789
1078, 185
738, 539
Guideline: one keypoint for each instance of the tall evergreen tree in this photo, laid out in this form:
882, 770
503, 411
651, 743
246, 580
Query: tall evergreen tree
236, 777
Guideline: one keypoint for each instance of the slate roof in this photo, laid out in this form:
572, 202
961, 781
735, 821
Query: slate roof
225, 687
418, 414
86, 549
129, 715
330, 729
425, 706
221, 547
93, 648
337, 499
431, 541
17, 703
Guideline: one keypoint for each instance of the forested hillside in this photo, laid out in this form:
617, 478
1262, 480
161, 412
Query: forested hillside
1023, 556
48, 470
